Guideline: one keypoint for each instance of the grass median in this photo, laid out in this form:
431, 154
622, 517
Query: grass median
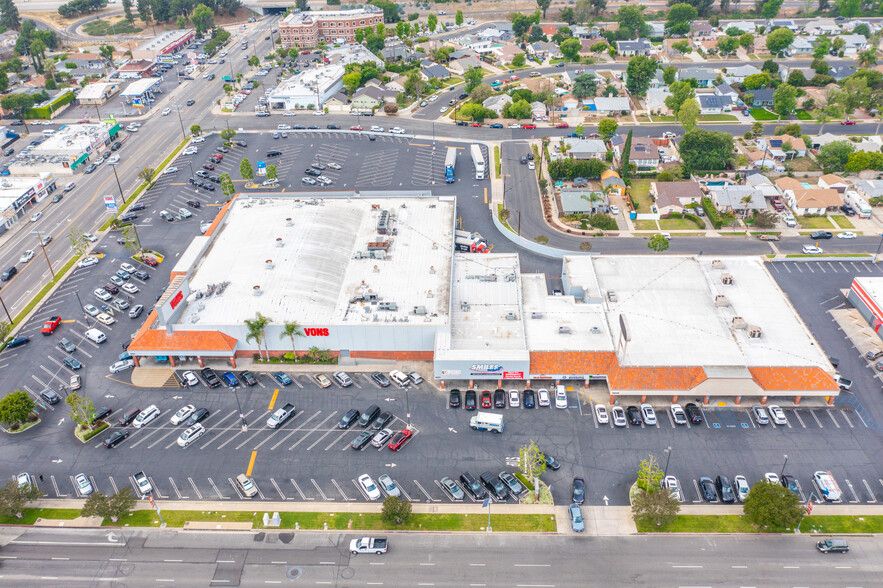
740, 524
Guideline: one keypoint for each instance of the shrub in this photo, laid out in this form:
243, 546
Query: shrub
603, 221
713, 215
696, 220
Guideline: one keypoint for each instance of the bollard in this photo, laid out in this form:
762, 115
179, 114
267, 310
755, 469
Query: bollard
326, 526
296, 526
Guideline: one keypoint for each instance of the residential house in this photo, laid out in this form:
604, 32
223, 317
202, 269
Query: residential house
737, 75
820, 141
461, 66
761, 160
497, 103
840, 72
338, 102
587, 149
492, 33
544, 50
352, 53
435, 71
477, 44
607, 105
704, 76
711, 104
854, 43
657, 30
570, 103
869, 189
538, 110
396, 85
802, 46
764, 184
700, 29
761, 97
746, 26
654, 102
868, 144
577, 201
674, 196
803, 200
821, 26
834, 182
728, 91
506, 53
637, 47
658, 80
8, 39
549, 30
644, 152
775, 146
737, 199
612, 184
371, 97
788, 24
461, 53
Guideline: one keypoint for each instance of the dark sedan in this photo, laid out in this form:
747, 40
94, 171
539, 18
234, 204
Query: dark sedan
454, 398
790, 483
470, 402
282, 378
706, 486
499, 398
381, 380
17, 341
551, 462
821, 235
634, 415
116, 437
198, 415
693, 413
579, 490
725, 489
529, 398
362, 440
248, 378
91, 168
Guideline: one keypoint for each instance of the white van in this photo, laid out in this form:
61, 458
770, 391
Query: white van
487, 421
96, 336
399, 379
48, 133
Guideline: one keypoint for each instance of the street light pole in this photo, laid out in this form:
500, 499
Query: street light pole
43, 247
667, 459
783, 467
122, 196
180, 120
6, 310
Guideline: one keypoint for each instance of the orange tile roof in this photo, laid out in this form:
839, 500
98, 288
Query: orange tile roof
180, 341
572, 362
656, 378
793, 378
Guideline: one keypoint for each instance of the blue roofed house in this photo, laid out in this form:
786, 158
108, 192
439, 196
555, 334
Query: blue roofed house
762, 97
711, 104
704, 76
435, 71
839, 72
636, 47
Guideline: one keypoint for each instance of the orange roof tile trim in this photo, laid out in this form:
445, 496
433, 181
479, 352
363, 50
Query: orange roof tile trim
793, 378
179, 341
620, 378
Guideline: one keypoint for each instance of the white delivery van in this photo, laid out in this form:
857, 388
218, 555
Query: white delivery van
96, 336
487, 421
48, 133
399, 379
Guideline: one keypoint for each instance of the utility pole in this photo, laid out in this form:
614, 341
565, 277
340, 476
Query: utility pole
122, 196
43, 247
6, 310
180, 120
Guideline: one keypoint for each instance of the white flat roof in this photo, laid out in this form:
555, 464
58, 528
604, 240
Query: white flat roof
873, 287
74, 138
95, 90
13, 187
669, 305
306, 81
323, 262
138, 87
560, 323
165, 39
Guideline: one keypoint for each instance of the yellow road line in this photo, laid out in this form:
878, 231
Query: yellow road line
273, 400
485, 195
254, 454
70, 321
419, 145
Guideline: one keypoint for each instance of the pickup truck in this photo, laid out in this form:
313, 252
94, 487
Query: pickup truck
368, 545
50, 325
280, 416
143, 484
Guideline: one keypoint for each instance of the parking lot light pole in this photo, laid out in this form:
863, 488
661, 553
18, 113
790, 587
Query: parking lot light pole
6, 310
180, 120
80, 302
667, 459
783, 467
243, 422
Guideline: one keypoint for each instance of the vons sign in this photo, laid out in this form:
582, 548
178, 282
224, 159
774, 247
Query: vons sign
316, 332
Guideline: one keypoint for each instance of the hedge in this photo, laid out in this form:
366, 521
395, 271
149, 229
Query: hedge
696, 220
713, 215
46, 111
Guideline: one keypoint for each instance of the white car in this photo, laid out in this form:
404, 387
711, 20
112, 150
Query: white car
190, 379
515, 126
771, 477
23, 479
308, 181
812, 250
102, 294
87, 261
333, 165
26, 256
560, 398
130, 288
648, 414
90, 237
131, 129
601, 414
543, 397
191, 435
114, 159
182, 414
198, 140
83, 484
530, 165
668, 135
104, 318
170, 170
514, 399
185, 213
614, 209
381, 437
122, 366
846, 235
290, 114
128, 267
740, 485
36, 216
388, 485
618, 413
369, 487
283, 127
145, 416
325, 180
678, 414
670, 483
190, 151
397, 131
166, 111
91, 310
319, 113
376, 129
777, 414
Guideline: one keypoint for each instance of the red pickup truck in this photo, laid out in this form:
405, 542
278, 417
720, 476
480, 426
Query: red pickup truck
50, 325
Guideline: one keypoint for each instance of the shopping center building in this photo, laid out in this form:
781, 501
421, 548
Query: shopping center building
373, 276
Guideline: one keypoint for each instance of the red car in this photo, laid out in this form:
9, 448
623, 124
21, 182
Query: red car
356, 128
475, 125
208, 166
486, 399
562, 126
528, 126
50, 325
218, 155
847, 122
514, 78
150, 261
400, 438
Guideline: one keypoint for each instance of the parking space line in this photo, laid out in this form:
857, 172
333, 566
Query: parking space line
292, 431
256, 433
297, 488
833, 420
155, 487
361, 490
404, 493
870, 492
698, 494
818, 422
175, 488
333, 443
55, 485
195, 489
797, 414
422, 489
322, 494
339, 489
279, 490
174, 441
846, 418
53, 376
218, 492
311, 431
851, 489
145, 436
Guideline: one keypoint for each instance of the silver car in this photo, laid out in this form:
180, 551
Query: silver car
388, 485
84, 486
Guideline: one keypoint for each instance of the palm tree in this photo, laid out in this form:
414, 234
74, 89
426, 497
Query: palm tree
746, 200
291, 329
256, 331
592, 198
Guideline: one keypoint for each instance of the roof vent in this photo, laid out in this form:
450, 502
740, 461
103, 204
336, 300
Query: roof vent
289, 222
754, 332
563, 330
720, 301
419, 310
739, 323
717, 264
727, 279
434, 245
536, 315
376, 269
429, 294
256, 290
279, 242
596, 331
510, 316
611, 296
432, 269
464, 306
269, 264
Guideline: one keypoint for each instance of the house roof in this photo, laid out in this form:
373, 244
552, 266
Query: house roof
762, 94
839, 72
643, 148
182, 341
608, 104
670, 193
572, 200
636, 45
587, 146
697, 73
777, 141
435, 71
742, 71
725, 89
832, 179
731, 196
712, 101
501, 99
818, 198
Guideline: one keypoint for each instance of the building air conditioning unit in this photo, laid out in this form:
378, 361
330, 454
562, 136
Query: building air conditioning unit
536, 315
269, 264
419, 310
563, 330
464, 306
595, 331
721, 301
754, 332
717, 264
280, 242
727, 279
256, 290
511, 316
739, 323
611, 296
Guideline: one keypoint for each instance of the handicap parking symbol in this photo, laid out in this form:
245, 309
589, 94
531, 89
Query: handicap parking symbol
716, 425
744, 425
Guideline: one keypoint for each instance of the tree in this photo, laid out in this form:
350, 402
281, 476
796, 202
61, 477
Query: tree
130, 239
517, 110
867, 58
755, 81
833, 156
727, 45
779, 40
757, 128
519, 60
658, 243
746, 41
570, 48
607, 128
765, 219
127, 9
531, 462
476, 112
18, 103
432, 22
536, 34
680, 93
245, 169
626, 153
785, 99
598, 6
631, 22
15, 407
599, 46
568, 15
473, 77
291, 329
13, 499
227, 185
521, 24
771, 9
414, 84
144, 11
669, 74
640, 71
848, 8
706, 150
271, 172
772, 505
195, 130
544, 5
257, 331
682, 47
658, 506
227, 134
79, 244
771, 67
459, 18
688, 115
395, 510
9, 17
82, 409
679, 18
202, 18
481, 93
181, 22
114, 507
146, 174
584, 86
351, 82
702, 6
796, 78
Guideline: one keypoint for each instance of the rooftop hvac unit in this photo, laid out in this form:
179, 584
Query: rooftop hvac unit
754, 332
717, 264
289, 222
563, 330
429, 294
464, 306
510, 316
721, 301
727, 279
256, 290
269, 264
419, 310
739, 323
611, 296
280, 242
536, 315
596, 331
509, 277
387, 306
432, 269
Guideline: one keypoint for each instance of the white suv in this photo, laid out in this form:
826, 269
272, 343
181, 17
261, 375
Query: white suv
191, 435
145, 416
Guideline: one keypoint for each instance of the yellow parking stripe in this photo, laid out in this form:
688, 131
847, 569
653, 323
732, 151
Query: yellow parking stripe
273, 400
254, 454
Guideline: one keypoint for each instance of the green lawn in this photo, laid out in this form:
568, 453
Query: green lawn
664, 118
802, 114
815, 222
101, 28
703, 524
32, 514
641, 195
763, 114
677, 224
646, 225
841, 524
842, 221
717, 118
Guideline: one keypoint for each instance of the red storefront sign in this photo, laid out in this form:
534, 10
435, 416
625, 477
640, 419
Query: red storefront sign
513, 375
316, 332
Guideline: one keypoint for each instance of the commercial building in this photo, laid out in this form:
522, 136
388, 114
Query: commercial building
66, 150
97, 93
866, 295
164, 45
310, 88
306, 29
18, 194
142, 93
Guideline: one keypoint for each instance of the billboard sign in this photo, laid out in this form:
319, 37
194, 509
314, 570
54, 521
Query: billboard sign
262, 168
110, 204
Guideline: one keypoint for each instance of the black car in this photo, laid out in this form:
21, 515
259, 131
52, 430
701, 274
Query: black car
363, 439
470, 400
116, 146
634, 415
313, 127
495, 486
725, 489
196, 182
332, 127
127, 217
274, 153
215, 179
240, 143
198, 415
821, 235
116, 437
454, 398
190, 102
210, 377
298, 128
790, 483
499, 398
551, 462
128, 417
248, 378
693, 413
471, 485
349, 418
312, 172
578, 491
101, 413
204, 174
141, 275
138, 206
382, 420
222, 149
706, 486
50, 396
462, 123
381, 380
209, 187
112, 288
529, 398
194, 203
17, 341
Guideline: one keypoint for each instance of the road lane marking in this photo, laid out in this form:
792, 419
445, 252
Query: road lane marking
273, 400
254, 455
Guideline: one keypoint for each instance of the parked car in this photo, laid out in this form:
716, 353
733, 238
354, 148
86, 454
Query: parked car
678, 414
706, 486
469, 402
578, 490
454, 398
576, 518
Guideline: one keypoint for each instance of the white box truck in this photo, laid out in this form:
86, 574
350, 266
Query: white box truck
478, 161
487, 421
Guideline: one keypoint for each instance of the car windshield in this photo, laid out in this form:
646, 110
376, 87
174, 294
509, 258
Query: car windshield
247, 485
